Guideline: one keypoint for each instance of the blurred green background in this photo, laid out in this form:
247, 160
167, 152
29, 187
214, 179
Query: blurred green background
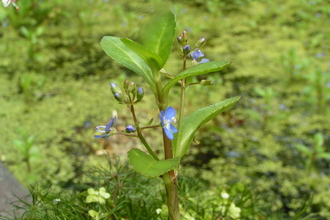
54, 90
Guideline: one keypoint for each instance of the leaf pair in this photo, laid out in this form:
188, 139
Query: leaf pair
147, 59
148, 166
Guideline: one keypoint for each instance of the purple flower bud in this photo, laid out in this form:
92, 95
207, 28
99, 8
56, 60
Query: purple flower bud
180, 40
186, 49
119, 97
114, 88
140, 94
113, 85
117, 93
130, 129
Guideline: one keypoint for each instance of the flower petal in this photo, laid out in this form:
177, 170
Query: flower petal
100, 128
196, 54
168, 134
101, 136
173, 129
161, 117
204, 60
170, 112
110, 124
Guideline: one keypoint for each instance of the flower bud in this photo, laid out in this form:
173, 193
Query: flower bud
186, 49
130, 129
119, 97
180, 40
117, 93
206, 82
126, 84
184, 36
139, 94
200, 43
162, 71
131, 87
115, 88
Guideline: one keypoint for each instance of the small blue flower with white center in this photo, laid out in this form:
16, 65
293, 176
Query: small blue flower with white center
167, 117
105, 129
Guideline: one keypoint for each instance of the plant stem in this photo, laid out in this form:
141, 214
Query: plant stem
172, 196
169, 178
183, 89
140, 136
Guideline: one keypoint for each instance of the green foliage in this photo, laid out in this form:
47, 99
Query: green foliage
317, 152
120, 187
158, 35
34, 39
148, 166
194, 121
317, 92
30, 85
117, 50
29, 152
200, 69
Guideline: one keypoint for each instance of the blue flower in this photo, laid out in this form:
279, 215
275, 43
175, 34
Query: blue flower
167, 117
197, 57
105, 129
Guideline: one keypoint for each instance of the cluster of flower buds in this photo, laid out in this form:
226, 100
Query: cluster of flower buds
130, 95
194, 53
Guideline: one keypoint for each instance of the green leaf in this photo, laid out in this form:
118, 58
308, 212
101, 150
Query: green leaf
152, 59
194, 121
259, 92
148, 166
158, 35
303, 149
318, 140
20, 145
324, 155
117, 50
195, 71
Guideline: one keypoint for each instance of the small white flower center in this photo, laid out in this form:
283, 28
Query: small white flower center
168, 122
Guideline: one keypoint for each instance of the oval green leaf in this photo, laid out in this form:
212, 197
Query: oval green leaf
148, 166
152, 59
200, 69
117, 50
158, 35
194, 121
